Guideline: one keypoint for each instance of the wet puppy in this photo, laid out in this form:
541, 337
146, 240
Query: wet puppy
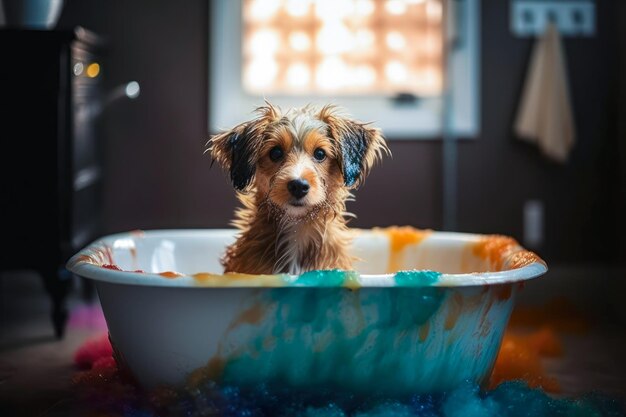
293, 173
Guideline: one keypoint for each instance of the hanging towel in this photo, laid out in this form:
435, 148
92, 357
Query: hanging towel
545, 113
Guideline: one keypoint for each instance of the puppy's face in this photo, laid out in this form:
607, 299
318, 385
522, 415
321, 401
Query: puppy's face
299, 162
297, 168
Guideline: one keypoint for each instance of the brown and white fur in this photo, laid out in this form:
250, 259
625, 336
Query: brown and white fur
294, 198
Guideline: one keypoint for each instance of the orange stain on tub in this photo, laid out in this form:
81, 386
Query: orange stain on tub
454, 311
99, 256
117, 268
269, 343
235, 279
108, 253
521, 259
485, 323
84, 259
399, 239
424, 330
205, 277
494, 249
322, 343
503, 253
212, 371
137, 233
171, 274
252, 315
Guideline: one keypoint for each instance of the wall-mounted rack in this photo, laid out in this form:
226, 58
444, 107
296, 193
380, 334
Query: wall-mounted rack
573, 18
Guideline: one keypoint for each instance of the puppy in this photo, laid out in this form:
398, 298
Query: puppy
293, 173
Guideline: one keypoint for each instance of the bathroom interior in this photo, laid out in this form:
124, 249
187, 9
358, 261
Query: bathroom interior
502, 118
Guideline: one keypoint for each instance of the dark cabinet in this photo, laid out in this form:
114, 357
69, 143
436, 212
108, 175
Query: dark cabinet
51, 169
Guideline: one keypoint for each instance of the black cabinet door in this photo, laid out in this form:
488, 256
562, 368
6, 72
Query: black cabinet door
51, 172
50, 161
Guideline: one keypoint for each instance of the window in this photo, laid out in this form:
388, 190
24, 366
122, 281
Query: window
351, 47
359, 54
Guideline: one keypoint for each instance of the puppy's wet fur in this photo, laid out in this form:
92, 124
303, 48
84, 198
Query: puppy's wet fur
293, 173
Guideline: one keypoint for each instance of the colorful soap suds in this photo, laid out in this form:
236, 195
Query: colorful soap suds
534, 334
520, 358
93, 350
503, 253
88, 317
103, 391
112, 396
415, 278
494, 249
399, 239
316, 278
327, 278
402, 236
488, 254
318, 353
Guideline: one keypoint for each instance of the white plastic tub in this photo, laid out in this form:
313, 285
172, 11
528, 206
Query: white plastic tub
179, 320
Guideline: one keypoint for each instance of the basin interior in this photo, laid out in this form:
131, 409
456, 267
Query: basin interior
378, 251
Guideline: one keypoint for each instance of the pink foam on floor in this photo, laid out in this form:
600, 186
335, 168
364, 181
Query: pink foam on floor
95, 353
87, 317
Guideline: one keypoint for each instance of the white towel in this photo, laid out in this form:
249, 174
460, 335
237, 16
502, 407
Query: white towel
545, 113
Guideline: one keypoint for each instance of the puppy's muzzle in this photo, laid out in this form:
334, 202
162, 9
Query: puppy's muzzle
298, 188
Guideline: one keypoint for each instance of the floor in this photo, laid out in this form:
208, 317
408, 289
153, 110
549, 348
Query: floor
36, 369
592, 362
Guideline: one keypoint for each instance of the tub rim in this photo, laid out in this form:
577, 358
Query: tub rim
84, 265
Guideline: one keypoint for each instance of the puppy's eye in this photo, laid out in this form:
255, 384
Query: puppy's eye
276, 154
319, 154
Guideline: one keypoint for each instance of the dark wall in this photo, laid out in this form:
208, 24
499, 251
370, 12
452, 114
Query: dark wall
158, 176
497, 173
621, 137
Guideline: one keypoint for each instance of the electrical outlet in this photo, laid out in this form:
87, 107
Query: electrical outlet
533, 223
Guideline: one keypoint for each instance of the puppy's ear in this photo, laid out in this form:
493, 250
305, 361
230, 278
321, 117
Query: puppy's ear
236, 150
357, 145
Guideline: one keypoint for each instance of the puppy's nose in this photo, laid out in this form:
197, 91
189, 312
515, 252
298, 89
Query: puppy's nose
298, 188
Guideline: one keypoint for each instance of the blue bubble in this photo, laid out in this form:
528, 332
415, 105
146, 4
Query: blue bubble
510, 399
416, 278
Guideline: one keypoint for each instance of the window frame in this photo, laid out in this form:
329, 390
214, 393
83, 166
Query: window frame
229, 104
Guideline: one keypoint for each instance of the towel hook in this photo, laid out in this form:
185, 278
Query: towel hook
578, 18
552, 17
571, 17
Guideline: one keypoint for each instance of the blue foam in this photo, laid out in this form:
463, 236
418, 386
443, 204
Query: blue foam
511, 399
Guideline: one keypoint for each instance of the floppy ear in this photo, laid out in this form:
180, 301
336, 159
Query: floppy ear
236, 150
358, 146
